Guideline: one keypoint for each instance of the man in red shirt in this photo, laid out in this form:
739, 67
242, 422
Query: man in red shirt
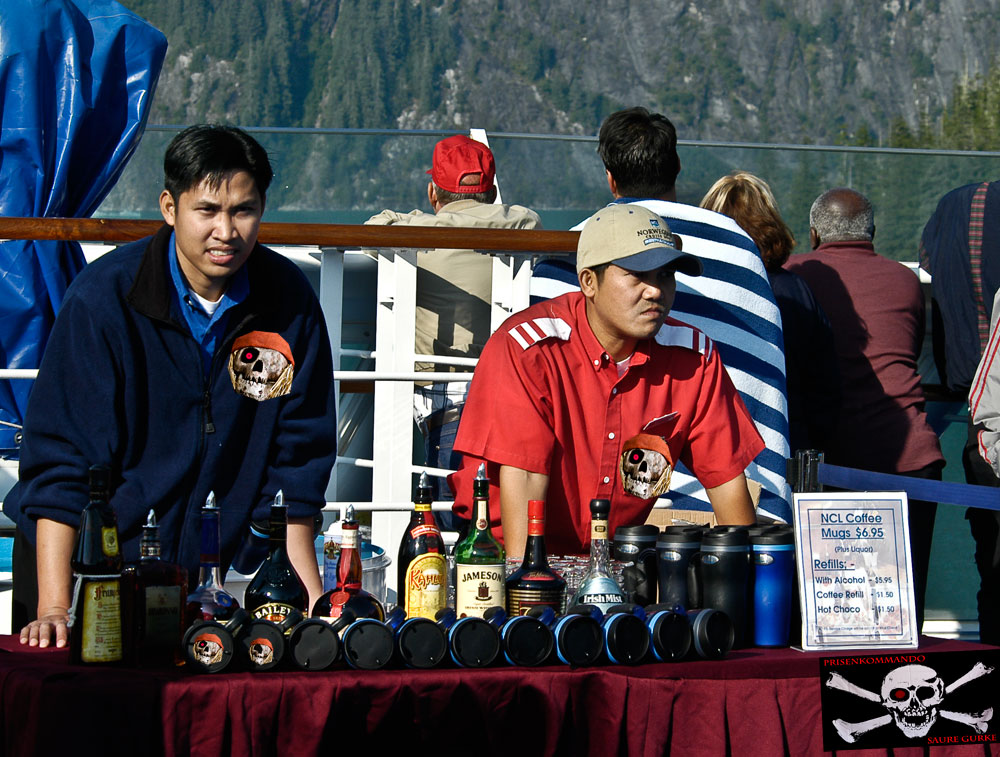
598, 393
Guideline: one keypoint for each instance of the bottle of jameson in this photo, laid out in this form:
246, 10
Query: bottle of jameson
479, 558
422, 577
276, 592
209, 601
535, 584
598, 587
96, 614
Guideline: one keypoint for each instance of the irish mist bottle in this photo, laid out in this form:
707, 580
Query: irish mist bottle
96, 615
209, 601
535, 584
422, 574
598, 587
276, 592
479, 558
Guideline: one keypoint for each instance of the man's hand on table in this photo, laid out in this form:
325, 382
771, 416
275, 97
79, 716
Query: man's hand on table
50, 626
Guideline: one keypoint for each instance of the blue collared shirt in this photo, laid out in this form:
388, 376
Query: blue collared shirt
206, 329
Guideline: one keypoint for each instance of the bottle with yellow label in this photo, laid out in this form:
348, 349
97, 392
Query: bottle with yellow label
96, 615
422, 576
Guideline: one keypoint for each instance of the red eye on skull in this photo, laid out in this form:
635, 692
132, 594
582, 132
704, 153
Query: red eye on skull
635, 456
898, 694
249, 355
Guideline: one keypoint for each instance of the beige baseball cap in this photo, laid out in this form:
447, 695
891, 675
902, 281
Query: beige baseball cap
634, 238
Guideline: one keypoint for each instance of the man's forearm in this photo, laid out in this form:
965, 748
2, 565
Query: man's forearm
731, 503
517, 486
54, 547
302, 553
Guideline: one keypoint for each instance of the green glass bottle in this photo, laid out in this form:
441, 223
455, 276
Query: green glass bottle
479, 558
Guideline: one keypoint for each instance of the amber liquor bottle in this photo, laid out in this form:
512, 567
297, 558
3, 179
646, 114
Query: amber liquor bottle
348, 591
479, 558
535, 584
277, 593
209, 600
96, 615
156, 595
422, 574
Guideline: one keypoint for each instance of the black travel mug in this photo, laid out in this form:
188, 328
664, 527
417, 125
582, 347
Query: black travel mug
635, 546
722, 575
674, 548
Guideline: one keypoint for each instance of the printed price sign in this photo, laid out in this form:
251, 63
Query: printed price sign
855, 576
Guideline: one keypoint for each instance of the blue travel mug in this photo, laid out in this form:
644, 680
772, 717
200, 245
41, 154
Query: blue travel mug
773, 556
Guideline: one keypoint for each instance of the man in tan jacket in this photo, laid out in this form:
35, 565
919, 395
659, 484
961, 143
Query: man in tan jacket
454, 287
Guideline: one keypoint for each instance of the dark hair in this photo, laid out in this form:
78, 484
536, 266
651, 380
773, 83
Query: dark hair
639, 149
210, 151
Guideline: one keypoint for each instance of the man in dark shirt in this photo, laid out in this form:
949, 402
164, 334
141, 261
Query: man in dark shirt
876, 309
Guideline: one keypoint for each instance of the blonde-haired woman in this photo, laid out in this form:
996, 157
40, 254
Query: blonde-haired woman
810, 362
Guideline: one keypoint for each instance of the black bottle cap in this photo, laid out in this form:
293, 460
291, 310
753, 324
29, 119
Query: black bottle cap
670, 635
99, 478
263, 644
208, 646
368, 644
600, 507
421, 643
314, 644
580, 640
423, 495
527, 641
627, 638
474, 642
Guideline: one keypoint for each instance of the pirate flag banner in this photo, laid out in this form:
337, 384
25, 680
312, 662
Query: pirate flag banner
854, 570
897, 699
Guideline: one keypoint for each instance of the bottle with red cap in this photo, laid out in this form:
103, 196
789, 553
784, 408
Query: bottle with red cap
535, 584
348, 592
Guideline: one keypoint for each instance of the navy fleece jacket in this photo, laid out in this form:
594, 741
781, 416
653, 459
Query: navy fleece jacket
122, 384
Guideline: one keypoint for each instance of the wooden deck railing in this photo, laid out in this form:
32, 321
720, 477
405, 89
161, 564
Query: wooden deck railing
111, 230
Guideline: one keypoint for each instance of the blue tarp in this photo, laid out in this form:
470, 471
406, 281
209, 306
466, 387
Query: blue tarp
76, 83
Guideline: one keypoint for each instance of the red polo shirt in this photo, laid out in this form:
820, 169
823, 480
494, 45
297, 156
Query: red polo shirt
547, 398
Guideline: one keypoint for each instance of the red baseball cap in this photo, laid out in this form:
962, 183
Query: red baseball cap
459, 156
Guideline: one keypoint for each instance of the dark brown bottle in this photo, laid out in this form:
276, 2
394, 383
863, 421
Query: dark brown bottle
276, 593
348, 591
209, 600
155, 596
535, 584
422, 580
96, 615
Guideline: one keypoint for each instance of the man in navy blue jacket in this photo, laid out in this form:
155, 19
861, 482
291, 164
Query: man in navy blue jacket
191, 361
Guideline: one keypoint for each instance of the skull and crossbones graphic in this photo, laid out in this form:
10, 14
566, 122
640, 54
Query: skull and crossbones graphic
645, 466
261, 365
912, 696
261, 652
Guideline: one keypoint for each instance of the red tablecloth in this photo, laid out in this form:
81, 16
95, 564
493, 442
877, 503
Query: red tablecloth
755, 702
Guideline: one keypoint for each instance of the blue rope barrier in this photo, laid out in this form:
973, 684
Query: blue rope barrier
966, 495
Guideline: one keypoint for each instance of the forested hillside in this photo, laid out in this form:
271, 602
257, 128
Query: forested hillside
896, 73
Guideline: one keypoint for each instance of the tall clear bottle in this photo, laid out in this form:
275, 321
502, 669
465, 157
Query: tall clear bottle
479, 558
535, 584
96, 615
422, 571
156, 594
209, 600
276, 592
598, 587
